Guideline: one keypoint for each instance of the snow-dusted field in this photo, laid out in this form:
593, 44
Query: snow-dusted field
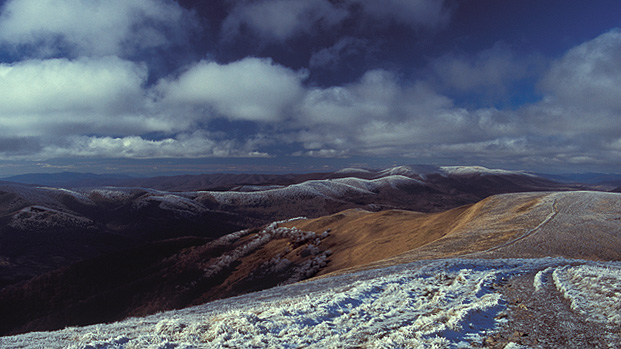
428, 304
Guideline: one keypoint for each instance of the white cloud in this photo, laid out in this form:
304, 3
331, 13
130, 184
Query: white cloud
380, 115
102, 106
59, 96
377, 96
577, 121
85, 27
49, 106
199, 144
324, 153
251, 89
581, 104
588, 76
48, 86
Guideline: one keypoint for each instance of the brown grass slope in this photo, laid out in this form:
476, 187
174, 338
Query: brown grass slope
359, 237
585, 225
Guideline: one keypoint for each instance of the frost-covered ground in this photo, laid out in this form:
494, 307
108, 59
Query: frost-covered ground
427, 304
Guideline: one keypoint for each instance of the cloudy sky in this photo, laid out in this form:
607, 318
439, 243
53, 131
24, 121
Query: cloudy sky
162, 86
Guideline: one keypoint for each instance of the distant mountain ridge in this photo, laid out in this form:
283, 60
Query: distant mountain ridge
228, 181
585, 178
68, 179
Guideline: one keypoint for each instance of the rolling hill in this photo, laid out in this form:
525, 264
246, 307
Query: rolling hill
520, 269
43, 228
581, 225
183, 272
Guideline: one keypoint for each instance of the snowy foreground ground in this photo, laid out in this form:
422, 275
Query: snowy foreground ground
427, 304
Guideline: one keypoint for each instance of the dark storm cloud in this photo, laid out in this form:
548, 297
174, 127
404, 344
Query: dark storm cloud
19, 145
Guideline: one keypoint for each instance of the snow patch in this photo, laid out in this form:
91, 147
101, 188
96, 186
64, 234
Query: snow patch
267, 234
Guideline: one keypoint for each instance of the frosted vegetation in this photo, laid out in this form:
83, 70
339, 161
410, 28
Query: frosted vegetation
317, 258
434, 304
594, 291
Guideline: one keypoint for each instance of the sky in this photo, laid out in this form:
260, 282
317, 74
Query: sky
151, 87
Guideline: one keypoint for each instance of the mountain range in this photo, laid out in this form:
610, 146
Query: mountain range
86, 255
226, 181
43, 228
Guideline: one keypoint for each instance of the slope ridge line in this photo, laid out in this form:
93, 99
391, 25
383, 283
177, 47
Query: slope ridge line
529, 232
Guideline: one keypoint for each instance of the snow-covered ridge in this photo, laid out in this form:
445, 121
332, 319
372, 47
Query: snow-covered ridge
399, 170
352, 170
253, 188
36, 217
48, 197
171, 202
423, 171
180, 201
329, 188
470, 170
186, 204
451, 303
